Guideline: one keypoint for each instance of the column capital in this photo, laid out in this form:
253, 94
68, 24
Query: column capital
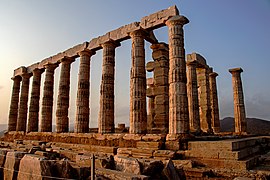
177, 20
16, 78
86, 52
37, 72
67, 60
236, 70
26, 75
160, 46
111, 43
139, 32
192, 63
213, 74
50, 66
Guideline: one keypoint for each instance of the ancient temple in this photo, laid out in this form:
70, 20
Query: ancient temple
181, 95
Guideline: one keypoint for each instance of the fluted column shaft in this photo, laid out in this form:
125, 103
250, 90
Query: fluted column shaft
106, 111
214, 102
193, 101
62, 120
239, 105
204, 99
33, 118
83, 91
138, 116
178, 101
13, 110
23, 106
47, 101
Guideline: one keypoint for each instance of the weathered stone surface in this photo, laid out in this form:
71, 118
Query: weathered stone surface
149, 145
13, 110
164, 154
138, 115
116, 175
239, 104
34, 167
179, 164
127, 165
158, 19
178, 106
12, 164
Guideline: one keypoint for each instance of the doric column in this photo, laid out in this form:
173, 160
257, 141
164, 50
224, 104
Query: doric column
23, 106
62, 121
150, 106
138, 116
193, 101
214, 102
47, 101
82, 103
238, 99
178, 101
106, 111
13, 110
33, 119
204, 98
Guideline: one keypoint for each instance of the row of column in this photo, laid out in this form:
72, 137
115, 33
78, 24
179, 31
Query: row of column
177, 79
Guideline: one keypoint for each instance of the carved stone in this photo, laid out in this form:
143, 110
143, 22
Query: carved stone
158, 118
62, 120
238, 99
106, 111
33, 119
138, 116
193, 101
214, 102
23, 106
47, 101
13, 110
82, 103
178, 101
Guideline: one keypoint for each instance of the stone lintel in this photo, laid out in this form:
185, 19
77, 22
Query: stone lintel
73, 52
111, 42
118, 35
32, 67
197, 57
43, 62
19, 71
158, 19
239, 70
192, 62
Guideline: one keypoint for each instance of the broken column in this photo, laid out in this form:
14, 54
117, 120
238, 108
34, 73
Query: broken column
193, 101
178, 101
150, 106
238, 99
138, 116
106, 111
23, 106
34, 102
83, 91
13, 110
214, 102
204, 98
159, 91
47, 101
62, 120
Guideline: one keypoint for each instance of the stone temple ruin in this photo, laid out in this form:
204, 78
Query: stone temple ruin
178, 138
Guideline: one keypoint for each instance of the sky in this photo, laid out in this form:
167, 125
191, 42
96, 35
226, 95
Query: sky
227, 33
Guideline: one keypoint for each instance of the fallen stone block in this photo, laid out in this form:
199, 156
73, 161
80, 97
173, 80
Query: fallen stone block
169, 171
166, 154
127, 165
118, 175
34, 167
12, 164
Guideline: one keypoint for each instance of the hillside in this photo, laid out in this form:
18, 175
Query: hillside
254, 125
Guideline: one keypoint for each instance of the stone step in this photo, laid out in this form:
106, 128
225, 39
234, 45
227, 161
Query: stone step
223, 154
229, 144
244, 164
118, 175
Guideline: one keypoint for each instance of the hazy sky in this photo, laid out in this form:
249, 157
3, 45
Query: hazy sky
227, 33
